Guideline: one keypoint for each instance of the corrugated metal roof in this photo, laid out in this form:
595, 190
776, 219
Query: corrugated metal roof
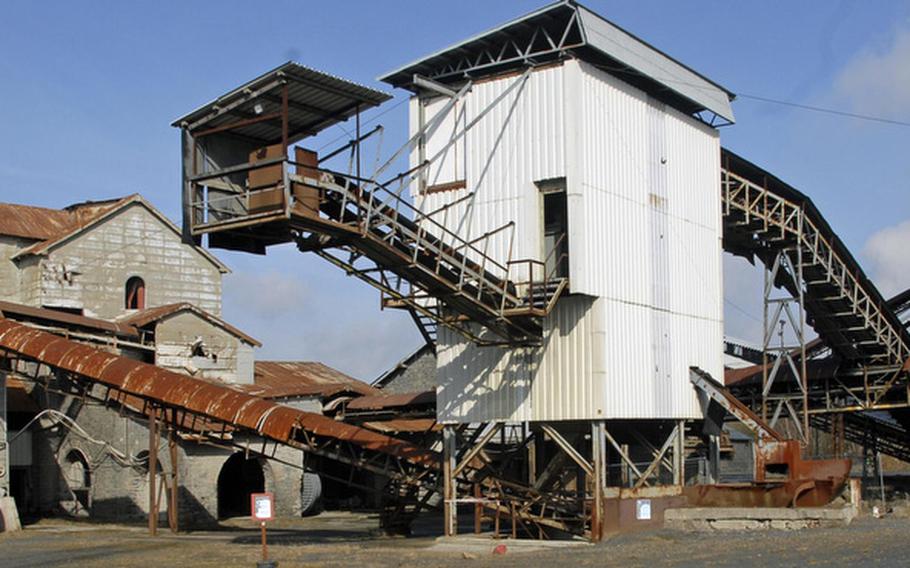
393, 401
44, 315
285, 379
316, 101
142, 318
410, 425
600, 42
36, 223
85, 215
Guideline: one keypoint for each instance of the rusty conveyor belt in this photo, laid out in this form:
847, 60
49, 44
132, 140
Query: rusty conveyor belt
207, 400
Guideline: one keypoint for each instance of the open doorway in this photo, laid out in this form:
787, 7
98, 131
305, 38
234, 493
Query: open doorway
555, 227
239, 478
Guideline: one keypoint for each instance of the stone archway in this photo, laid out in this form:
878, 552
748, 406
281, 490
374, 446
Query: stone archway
239, 478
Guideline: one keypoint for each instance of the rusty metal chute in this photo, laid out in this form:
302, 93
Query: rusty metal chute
195, 400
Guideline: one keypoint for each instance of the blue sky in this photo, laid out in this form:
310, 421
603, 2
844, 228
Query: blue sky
89, 90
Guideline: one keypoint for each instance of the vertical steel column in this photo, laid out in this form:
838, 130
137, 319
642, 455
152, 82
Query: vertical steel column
153, 469
598, 458
449, 491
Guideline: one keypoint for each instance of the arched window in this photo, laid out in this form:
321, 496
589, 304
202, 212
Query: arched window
135, 293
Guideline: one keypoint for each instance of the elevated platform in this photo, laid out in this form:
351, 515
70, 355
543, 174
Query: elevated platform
243, 192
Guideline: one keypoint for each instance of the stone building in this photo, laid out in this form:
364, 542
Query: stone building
116, 275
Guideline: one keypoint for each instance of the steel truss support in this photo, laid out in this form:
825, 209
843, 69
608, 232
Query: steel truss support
785, 319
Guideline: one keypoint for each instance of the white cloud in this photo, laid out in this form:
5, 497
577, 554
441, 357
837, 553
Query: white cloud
888, 252
877, 81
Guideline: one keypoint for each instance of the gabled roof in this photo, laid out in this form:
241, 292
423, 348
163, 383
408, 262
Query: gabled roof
288, 379
564, 29
147, 316
83, 216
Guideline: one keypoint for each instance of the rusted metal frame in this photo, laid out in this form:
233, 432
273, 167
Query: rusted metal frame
172, 510
655, 463
665, 462
153, 469
464, 331
570, 450
622, 454
476, 449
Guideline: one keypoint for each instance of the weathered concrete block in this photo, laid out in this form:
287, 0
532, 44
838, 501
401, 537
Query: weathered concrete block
9, 515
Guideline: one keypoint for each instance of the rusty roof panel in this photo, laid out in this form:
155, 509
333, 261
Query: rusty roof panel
286, 379
87, 361
389, 401
34, 223
250, 415
117, 372
280, 422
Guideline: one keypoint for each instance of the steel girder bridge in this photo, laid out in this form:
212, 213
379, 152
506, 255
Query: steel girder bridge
860, 360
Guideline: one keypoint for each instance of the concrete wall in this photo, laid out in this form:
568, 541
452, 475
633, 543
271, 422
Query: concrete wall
228, 357
119, 485
90, 271
10, 285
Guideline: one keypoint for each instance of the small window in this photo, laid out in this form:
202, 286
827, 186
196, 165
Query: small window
135, 293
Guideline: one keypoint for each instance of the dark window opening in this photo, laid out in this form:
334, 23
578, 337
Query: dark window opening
777, 471
135, 293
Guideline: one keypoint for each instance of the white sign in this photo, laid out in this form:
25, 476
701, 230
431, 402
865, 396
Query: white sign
643, 509
262, 506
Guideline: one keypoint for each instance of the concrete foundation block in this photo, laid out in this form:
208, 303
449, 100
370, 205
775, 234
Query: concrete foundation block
752, 519
9, 515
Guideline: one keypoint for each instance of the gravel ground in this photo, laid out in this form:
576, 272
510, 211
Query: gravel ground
344, 539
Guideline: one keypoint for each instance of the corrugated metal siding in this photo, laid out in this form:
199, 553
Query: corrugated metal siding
478, 384
644, 221
520, 140
651, 247
569, 380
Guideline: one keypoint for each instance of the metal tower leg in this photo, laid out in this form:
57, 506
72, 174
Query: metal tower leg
784, 316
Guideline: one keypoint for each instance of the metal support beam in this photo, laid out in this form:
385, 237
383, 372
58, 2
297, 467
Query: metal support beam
173, 516
450, 493
599, 481
153, 469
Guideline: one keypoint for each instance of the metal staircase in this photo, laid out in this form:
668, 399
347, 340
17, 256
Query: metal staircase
417, 263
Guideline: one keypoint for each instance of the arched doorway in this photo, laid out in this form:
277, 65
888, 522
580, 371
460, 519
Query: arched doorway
239, 478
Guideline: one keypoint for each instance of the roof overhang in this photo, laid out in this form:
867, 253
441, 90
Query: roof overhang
568, 29
316, 101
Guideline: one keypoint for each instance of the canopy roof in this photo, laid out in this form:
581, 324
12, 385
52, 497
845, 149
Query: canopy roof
316, 101
567, 28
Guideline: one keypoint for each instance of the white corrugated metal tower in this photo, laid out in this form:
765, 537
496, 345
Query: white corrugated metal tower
639, 175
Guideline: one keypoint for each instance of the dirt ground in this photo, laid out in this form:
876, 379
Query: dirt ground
346, 539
